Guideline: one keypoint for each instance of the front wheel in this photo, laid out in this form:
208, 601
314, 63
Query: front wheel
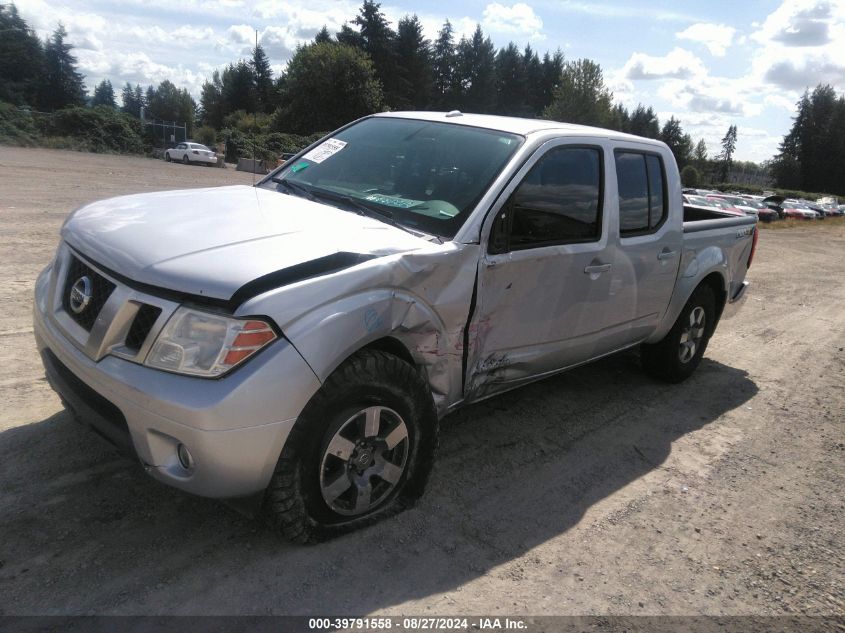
361, 450
167, 156
676, 357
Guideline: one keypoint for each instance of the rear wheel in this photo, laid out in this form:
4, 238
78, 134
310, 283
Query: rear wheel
676, 357
185, 160
361, 450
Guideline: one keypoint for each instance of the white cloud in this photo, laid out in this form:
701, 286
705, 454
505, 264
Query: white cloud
518, 19
677, 64
716, 37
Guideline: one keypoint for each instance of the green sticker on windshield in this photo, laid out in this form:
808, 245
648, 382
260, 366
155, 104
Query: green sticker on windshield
299, 167
388, 201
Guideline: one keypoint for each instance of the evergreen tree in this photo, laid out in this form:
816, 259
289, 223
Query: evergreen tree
644, 122
552, 68
22, 62
104, 94
349, 37
582, 96
169, 103
63, 85
726, 157
532, 71
212, 108
263, 80
511, 82
476, 73
323, 36
413, 57
700, 153
379, 41
238, 88
443, 65
133, 99
621, 118
681, 144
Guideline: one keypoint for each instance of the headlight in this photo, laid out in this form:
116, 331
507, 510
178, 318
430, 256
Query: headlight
205, 344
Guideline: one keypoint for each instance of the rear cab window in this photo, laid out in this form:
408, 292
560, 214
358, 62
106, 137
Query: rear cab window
642, 192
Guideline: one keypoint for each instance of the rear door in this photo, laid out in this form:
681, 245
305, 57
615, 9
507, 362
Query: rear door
544, 297
650, 238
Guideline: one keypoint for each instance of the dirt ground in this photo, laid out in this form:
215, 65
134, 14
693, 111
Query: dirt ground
594, 492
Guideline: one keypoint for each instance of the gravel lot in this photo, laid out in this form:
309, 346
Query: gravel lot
594, 492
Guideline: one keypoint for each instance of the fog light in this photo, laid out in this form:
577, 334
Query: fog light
185, 457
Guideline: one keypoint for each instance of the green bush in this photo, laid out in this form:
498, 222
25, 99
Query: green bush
206, 135
690, 176
17, 127
99, 129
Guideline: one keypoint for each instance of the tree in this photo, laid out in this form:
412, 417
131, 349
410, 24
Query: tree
475, 68
339, 78
238, 88
415, 73
511, 82
262, 78
726, 157
379, 41
700, 152
169, 103
104, 95
443, 66
681, 144
690, 176
552, 68
582, 96
644, 122
133, 99
323, 36
22, 63
63, 85
212, 108
532, 71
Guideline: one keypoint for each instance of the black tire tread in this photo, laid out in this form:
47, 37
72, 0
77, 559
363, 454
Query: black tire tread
284, 507
660, 360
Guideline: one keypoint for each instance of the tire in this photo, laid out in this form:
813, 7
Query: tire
333, 475
167, 156
676, 357
185, 160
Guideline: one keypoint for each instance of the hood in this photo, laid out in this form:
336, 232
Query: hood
212, 242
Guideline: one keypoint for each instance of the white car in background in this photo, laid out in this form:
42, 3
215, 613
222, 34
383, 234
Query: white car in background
191, 153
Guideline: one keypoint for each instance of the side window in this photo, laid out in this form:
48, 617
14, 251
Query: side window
642, 200
559, 201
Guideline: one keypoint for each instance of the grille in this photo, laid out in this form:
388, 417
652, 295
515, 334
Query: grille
141, 326
101, 289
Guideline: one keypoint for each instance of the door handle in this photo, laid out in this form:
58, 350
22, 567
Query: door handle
666, 255
593, 270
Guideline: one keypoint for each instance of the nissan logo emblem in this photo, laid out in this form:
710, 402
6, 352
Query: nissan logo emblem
80, 294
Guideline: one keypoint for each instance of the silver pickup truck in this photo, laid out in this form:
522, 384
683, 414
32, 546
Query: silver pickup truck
294, 344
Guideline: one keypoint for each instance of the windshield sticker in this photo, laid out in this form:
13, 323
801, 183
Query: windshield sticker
298, 167
388, 201
325, 150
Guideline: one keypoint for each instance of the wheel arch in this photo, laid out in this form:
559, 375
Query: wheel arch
688, 282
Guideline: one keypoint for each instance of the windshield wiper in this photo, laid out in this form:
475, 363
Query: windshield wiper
294, 188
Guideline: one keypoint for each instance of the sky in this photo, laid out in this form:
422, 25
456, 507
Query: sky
710, 64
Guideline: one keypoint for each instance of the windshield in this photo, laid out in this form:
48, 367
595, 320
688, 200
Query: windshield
198, 146
422, 175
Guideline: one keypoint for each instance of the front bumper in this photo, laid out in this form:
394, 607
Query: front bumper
234, 427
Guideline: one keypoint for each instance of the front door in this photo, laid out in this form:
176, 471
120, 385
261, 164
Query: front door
544, 297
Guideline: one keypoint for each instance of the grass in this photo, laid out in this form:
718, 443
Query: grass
791, 223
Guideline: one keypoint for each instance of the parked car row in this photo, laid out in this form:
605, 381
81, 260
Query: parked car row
766, 208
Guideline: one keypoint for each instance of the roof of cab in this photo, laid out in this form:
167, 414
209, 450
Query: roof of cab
516, 125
